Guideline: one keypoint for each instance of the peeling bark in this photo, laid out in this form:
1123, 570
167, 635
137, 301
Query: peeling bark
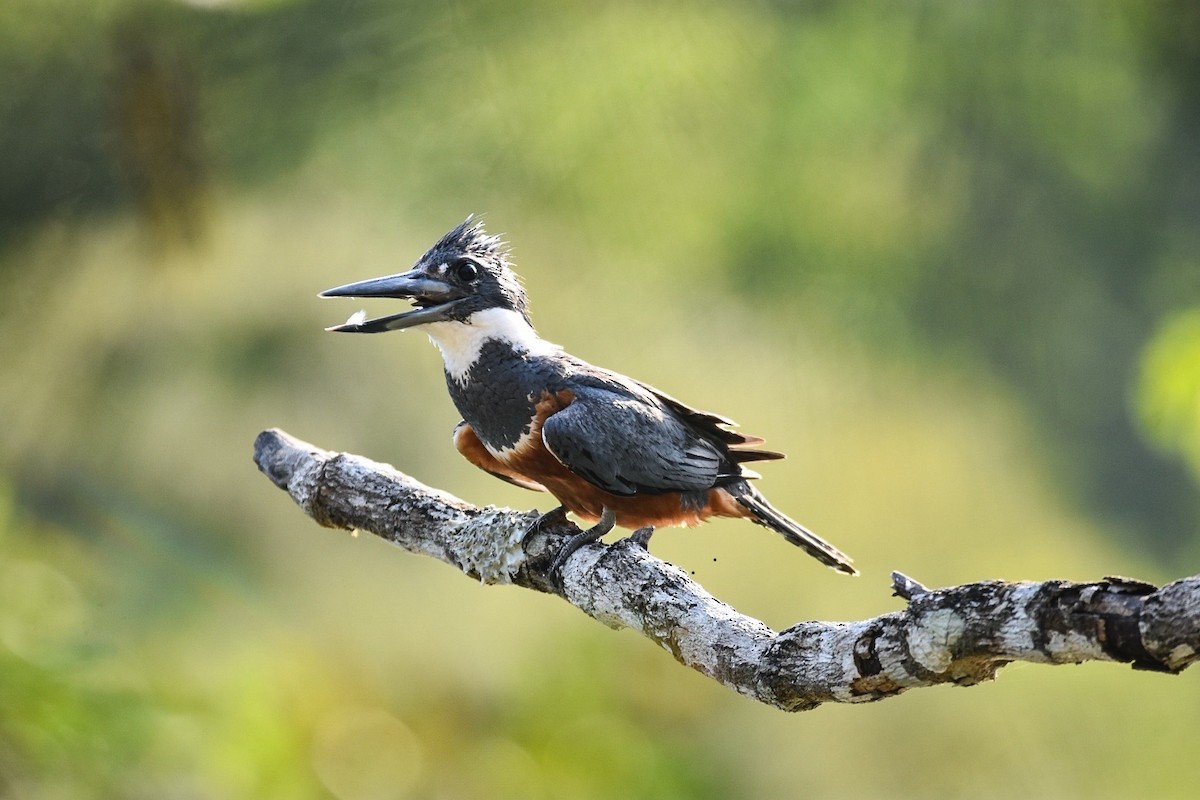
960, 634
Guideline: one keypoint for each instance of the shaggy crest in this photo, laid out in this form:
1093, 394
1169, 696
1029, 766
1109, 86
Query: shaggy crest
470, 238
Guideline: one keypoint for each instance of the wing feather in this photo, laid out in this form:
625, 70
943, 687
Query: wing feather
626, 446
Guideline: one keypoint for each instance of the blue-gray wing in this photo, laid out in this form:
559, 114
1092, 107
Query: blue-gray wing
625, 445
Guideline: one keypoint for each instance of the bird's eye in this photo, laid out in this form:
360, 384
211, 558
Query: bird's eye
466, 271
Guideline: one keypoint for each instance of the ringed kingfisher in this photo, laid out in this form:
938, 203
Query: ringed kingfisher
612, 450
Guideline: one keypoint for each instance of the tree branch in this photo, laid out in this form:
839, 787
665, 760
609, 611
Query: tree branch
960, 634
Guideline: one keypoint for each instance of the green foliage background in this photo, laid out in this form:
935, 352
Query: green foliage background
944, 254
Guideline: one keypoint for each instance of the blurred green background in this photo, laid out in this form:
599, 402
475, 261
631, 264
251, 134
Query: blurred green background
946, 255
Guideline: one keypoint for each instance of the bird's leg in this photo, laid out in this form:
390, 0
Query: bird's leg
553, 517
605, 524
641, 537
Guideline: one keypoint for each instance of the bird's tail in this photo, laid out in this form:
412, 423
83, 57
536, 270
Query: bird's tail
765, 514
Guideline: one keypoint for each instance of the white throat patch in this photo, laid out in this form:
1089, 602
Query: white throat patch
461, 342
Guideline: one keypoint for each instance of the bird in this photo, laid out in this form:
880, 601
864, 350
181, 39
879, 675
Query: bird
612, 450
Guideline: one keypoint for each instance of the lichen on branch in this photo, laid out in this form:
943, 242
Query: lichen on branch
959, 635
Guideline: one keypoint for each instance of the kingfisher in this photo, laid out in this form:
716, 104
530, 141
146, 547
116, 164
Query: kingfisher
612, 450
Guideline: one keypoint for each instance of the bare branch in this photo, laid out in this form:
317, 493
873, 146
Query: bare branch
960, 634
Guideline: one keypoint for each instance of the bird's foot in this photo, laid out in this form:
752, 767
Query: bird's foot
552, 518
641, 537
605, 524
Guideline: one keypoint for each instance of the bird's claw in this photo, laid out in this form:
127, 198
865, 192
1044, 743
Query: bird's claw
552, 518
641, 537
605, 524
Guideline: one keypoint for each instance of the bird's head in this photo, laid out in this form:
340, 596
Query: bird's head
466, 272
